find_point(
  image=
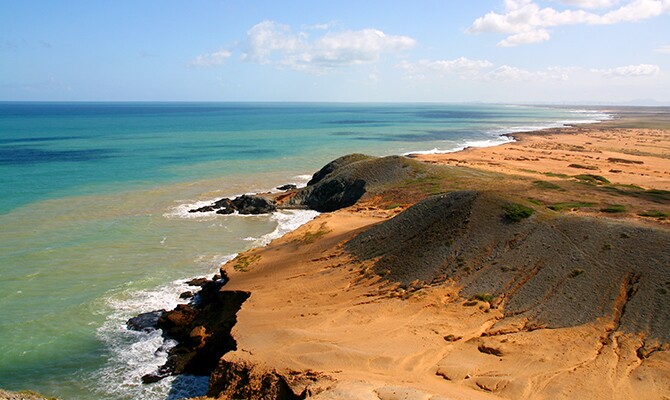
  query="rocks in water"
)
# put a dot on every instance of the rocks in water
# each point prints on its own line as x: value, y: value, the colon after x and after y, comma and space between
x: 201, y: 328
x: 202, y: 209
x: 145, y: 322
x: 252, y: 204
x: 197, y: 282
x: 186, y: 295
x: 224, y: 206
x: 340, y: 183
x: 286, y: 187
x: 245, y: 204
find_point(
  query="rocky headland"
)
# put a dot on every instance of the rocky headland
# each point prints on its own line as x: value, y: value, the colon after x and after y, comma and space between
x: 443, y: 280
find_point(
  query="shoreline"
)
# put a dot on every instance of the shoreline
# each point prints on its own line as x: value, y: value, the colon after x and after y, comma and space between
x: 199, y: 262
x: 307, y: 326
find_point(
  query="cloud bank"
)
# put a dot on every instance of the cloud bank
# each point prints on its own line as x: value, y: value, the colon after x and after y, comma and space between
x: 270, y: 42
x: 525, y: 21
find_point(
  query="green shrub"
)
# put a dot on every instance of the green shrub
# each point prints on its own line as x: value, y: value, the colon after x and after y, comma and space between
x: 546, y: 185
x: 555, y: 175
x: 485, y: 297
x: 654, y: 214
x: 614, y: 208
x: 580, y: 166
x: 590, y: 178
x: 516, y: 212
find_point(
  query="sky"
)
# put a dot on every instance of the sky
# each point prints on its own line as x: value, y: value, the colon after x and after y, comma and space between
x: 511, y: 51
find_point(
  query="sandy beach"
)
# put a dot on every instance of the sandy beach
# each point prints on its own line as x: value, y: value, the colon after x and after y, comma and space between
x: 566, y: 301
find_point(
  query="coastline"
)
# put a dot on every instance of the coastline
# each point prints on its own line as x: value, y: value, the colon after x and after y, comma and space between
x: 378, y: 211
x: 310, y: 296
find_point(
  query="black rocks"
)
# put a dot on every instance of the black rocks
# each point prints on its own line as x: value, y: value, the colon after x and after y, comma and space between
x: 286, y: 187
x: 252, y: 204
x: 145, y: 322
x: 245, y: 204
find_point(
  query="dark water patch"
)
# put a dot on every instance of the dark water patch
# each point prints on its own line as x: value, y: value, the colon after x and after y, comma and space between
x: 37, y: 139
x: 256, y: 151
x: 456, y: 114
x: 28, y: 155
x: 356, y: 122
x: 345, y: 133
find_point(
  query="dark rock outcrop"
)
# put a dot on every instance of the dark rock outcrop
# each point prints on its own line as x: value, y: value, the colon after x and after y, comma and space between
x: 202, y: 330
x: 245, y: 381
x: 245, y: 204
x: 342, y: 182
x: 145, y: 322
x: 549, y: 272
x: 286, y: 187
x: 252, y: 204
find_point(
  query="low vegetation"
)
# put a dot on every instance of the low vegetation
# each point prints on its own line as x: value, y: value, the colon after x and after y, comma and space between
x: 580, y: 166
x: 485, y: 297
x: 242, y: 263
x: 516, y: 212
x: 556, y: 175
x: 546, y: 185
x: 311, y: 237
x: 654, y: 214
x: 569, y: 205
x: 614, y: 208
x: 590, y: 178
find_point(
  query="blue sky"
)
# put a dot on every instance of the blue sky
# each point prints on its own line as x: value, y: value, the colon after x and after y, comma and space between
x: 519, y: 51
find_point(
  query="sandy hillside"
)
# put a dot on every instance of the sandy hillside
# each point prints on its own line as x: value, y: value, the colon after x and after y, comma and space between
x: 534, y: 270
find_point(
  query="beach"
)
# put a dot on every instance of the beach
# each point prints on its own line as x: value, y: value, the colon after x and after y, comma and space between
x: 382, y: 300
x: 94, y: 214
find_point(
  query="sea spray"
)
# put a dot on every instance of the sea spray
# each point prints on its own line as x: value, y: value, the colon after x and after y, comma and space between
x: 134, y: 354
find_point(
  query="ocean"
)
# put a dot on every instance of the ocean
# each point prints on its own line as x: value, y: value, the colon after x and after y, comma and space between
x: 95, y: 228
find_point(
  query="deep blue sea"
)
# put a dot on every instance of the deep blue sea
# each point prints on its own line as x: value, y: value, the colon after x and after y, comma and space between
x: 93, y: 200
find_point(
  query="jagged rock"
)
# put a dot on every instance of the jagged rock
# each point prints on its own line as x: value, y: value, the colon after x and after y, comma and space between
x: 224, y: 203
x: 145, y: 322
x: 238, y: 380
x: 152, y: 378
x: 186, y: 295
x: 252, y: 204
x: 286, y: 187
x: 202, y: 209
x: 197, y: 282
x: 202, y: 331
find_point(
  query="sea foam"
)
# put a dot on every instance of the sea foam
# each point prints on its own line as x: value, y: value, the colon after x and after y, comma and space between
x: 134, y: 354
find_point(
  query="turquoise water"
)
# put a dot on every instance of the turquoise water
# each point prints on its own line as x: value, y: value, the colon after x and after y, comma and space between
x: 93, y: 200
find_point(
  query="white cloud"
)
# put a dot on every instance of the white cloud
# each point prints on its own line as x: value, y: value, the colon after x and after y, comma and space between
x: 533, y: 36
x: 479, y: 70
x: 461, y: 66
x: 591, y: 3
x: 212, y: 59
x: 526, y: 22
x: 665, y: 49
x: 271, y: 42
x: 629, y: 71
x: 509, y: 73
